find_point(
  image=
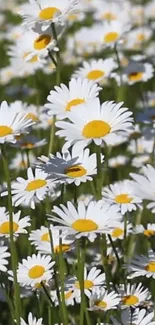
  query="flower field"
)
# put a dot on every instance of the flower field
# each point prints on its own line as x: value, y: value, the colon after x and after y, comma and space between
x: 77, y: 162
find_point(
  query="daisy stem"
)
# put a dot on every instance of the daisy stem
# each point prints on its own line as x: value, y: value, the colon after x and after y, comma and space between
x: 132, y: 242
x: 114, y: 249
x: 99, y: 173
x: 47, y: 294
x: 62, y: 280
x: 52, y: 135
x: 28, y: 159
x: 119, y: 63
x: 103, y: 249
x: 12, y: 243
x: 81, y: 263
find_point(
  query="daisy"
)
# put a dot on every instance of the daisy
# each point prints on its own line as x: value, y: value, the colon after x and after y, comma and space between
x: 138, y: 317
x: 70, y: 168
x: 68, y: 294
x: 118, y: 161
x: 133, y: 295
x: 138, y: 73
x: 103, y: 300
x: 122, y: 195
x: 107, y: 12
x: 113, y: 32
x: 148, y: 231
x: 11, y: 123
x: 31, y: 320
x: 96, y: 70
x: 142, y: 266
x: 34, y: 270
x: 85, y: 221
x: 3, y: 255
x: 86, y: 40
x: 19, y: 162
x: 41, y: 239
x: 92, y: 279
x: 145, y: 185
x: 118, y: 232
x: 30, y: 190
x: 88, y: 124
x: 19, y: 225
x: 64, y: 99
x: 29, y: 142
x: 45, y: 12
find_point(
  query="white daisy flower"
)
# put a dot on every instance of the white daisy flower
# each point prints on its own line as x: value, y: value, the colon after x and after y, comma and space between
x: 148, y: 231
x: 118, y: 232
x: 103, y: 300
x: 118, y: 161
x: 41, y: 239
x: 71, y: 168
x: 88, y: 124
x: 19, y: 162
x: 133, y: 295
x: 86, y: 40
x: 140, y: 74
x: 68, y: 294
x: 92, y: 279
x: 3, y: 255
x: 142, y: 265
x: 113, y: 32
x: 96, y: 70
x: 11, y: 123
x: 145, y: 185
x: 122, y: 195
x: 107, y: 12
x: 31, y: 320
x: 34, y: 270
x: 31, y: 190
x: 29, y: 142
x: 86, y: 221
x: 64, y: 99
x: 138, y: 317
x: 19, y: 225
x: 45, y: 12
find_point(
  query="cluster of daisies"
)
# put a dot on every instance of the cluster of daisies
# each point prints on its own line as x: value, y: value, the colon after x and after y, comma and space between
x: 77, y: 193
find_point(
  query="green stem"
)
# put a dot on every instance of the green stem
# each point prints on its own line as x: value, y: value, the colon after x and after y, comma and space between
x: 103, y: 250
x: 47, y: 294
x: 52, y: 135
x: 99, y: 173
x: 81, y: 263
x: 132, y: 242
x: 62, y: 280
x: 119, y: 63
x: 17, y: 301
x: 114, y: 249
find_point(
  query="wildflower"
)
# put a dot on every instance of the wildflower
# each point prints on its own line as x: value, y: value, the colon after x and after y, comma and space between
x: 31, y: 320
x: 103, y: 300
x: 133, y: 296
x: 138, y: 317
x: 142, y: 266
x: 19, y: 225
x: 3, y: 255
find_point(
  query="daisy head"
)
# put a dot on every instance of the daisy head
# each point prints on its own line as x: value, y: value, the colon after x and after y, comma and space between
x: 34, y: 270
x: 113, y: 32
x: 142, y: 266
x: 137, y: 317
x: 31, y: 320
x: 122, y: 195
x: 43, y: 12
x: 133, y: 296
x: 3, y: 258
x: 85, y: 221
x: 70, y: 168
x: 102, y: 300
x: 12, y: 123
x: 138, y: 73
x: 19, y: 225
x: 96, y: 70
x: 64, y: 99
x: 118, y: 232
x: 31, y: 190
x: 94, y: 122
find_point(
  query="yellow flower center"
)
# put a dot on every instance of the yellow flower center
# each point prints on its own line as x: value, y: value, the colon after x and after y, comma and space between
x: 49, y: 13
x: 33, y: 59
x: 123, y: 198
x: 32, y: 117
x: 45, y: 237
x: 68, y: 294
x: 74, y: 102
x: 41, y: 42
x: 5, y: 130
x: 96, y: 129
x: 150, y: 267
x: 149, y: 233
x: 35, y: 185
x: 64, y: 248
x: 84, y: 225
x: 135, y: 76
x: 27, y: 145
x: 141, y: 37
x: 130, y: 300
x: 36, y: 271
x: 75, y: 171
x: 111, y: 37
x: 117, y: 232
x: 5, y: 227
x: 101, y: 304
x: 23, y: 164
x: 108, y: 15
x: 95, y: 74
x: 87, y: 284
